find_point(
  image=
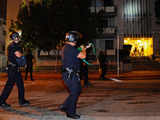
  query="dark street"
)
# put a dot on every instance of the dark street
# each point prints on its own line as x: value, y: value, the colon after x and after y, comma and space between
x: 137, y: 95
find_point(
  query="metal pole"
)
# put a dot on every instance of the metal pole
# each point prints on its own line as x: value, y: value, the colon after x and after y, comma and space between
x: 1, y: 64
x: 118, y: 64
x: 95, y: 6
x: 116, y: 79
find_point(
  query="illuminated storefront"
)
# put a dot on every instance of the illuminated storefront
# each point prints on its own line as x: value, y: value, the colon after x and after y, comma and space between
x: 140, y: 46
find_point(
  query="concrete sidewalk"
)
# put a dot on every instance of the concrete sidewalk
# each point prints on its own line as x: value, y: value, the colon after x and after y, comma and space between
x: 137, y: 97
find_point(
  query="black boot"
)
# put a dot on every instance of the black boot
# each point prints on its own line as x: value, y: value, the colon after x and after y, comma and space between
x: 4, y: 105
x: 73, y: 116
x: 62, y: 108
x: 24, y: 103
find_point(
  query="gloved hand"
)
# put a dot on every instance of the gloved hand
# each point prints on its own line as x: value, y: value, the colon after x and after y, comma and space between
x: 21, y: 61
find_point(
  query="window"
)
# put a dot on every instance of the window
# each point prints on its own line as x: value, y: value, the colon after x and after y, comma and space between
x: 108, y: 44
x: 108, y: 2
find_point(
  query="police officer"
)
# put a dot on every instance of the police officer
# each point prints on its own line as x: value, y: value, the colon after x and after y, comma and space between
x: 70, y: 74
x: 14, y: 74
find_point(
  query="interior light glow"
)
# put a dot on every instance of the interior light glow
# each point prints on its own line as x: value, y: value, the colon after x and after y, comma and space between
x: 140, y: 46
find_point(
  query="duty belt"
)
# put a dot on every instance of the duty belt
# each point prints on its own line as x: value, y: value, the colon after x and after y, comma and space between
x: 14, y: 66
x: 70, y: 72
x: 11, y: 64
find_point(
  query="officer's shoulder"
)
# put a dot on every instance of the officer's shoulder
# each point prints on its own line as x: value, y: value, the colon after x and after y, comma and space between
x: 12, y: 46
x: 65, y: 46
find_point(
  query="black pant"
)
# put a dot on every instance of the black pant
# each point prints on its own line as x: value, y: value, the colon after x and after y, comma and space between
x: 84, y: 74
x: 103, y: 71
x: 74, y: 86
x: 14, y: 76
x: 29, y: 68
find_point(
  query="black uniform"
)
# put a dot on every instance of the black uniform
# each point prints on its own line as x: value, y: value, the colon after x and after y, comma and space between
x: 70, y: 75
x: 102, y: 64
x: 84, y: 73
x: 14, y: 76
x: 29, y: 62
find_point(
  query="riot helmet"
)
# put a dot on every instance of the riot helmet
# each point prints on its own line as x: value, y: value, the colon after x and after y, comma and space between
x: 72, y: 36
x: 14, y: 35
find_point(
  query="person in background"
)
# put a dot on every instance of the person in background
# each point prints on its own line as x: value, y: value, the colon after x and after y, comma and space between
x: 84, y: 73
x: 29, y: 64
x: 102, y: 65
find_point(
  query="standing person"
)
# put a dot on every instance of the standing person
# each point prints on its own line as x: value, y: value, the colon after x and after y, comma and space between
x: 102, y: 65
x: 15, y: 59
x: 29, y: 64
x: 84, y: 73
x: 70, y: 73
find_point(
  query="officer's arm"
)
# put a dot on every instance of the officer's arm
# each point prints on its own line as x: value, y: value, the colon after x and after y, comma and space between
x: 18, y: 54
x: 82, y: 54
x: 11, y: 54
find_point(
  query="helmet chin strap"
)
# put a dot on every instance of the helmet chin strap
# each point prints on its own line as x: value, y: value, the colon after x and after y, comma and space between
x: 17, y: 40
x: 71, y: 43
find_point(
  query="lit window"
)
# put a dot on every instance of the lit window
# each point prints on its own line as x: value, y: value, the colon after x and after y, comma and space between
x: 140, y: 46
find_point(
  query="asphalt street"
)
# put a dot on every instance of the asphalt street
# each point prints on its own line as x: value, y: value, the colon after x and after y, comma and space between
x: 136, y: 97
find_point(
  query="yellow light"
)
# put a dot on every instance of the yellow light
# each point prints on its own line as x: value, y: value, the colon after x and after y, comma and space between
x: 140, y: 46
x: 125, y: 41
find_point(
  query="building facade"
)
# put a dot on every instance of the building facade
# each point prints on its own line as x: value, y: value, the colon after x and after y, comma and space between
x: 118, y: 23
x: 3, y: 13
x: 3, y: 9
x: 104, y: 13
x: 127, y: 22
